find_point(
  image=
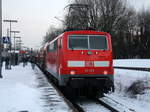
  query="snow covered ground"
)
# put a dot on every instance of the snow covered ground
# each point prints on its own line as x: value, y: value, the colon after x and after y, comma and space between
x: 24, y: 89
x: 136, y: 96
x: 145, y: 63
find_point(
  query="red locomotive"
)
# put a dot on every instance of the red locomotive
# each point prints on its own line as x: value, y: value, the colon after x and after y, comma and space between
x: 80, y: 60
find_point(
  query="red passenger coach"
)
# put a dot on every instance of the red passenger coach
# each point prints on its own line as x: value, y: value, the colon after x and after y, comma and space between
x: 81, y: 60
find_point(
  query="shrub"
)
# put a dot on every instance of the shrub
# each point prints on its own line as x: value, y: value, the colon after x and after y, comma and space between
x: 136, y: 88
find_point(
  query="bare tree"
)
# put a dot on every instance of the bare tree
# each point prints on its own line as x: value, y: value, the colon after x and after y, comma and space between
x: 111, y: 16
x: 52, y: 33
x: 124, y: 34
x: 103, y: 15
x: 144, y: 25
x: 77, y: 17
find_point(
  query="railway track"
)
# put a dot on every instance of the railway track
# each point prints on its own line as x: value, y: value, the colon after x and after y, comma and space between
x: 85, y: 105
x: 116, y: 104
x: 94, y: 105
x: 104, y: 104
x: 76, y: 107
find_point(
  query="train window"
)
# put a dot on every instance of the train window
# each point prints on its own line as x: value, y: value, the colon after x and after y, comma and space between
x: 61, y: 42
x: 51, y: 47
x: 55, y: 45
x: 95, y: 42
x: 98, y: 42
x: 78, y: 42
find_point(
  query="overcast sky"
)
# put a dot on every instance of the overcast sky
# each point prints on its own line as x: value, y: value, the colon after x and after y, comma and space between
x: 35, y: 16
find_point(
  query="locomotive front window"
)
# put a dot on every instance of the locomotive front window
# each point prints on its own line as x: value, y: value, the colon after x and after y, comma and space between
x: 98, y: 42
x: 78, y: 42
x: 92, y: 42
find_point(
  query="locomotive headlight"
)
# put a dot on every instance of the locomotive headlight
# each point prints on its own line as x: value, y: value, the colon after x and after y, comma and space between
x: 105, y: 72
x: 72, y: 72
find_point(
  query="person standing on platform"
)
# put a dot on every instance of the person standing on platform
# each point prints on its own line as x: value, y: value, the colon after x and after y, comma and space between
x: 33, y: 61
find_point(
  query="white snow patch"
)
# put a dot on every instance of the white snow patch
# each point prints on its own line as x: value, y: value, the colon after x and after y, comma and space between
x: 143, y: 63
x: 125, y: 78
x: 24, y: 89
x: 17, y: 91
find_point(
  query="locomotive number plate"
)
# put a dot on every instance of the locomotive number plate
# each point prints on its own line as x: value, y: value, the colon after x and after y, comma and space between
x: 89, y: 63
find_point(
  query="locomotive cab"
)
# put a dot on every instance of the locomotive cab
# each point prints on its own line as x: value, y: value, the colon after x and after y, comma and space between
x: 86, y: 60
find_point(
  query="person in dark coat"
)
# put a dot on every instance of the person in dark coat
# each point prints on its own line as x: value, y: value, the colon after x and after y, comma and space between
x: 33, y: 62
x: 24, y: 60
x: 6, y: 62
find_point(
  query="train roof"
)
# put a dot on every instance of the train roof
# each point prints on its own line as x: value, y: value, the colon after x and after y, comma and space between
x: 78, y: 32
x: 85, y: 32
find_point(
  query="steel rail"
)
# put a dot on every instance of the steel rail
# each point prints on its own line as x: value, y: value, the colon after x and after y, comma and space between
x: 116, y: 106
x: 101, y: 102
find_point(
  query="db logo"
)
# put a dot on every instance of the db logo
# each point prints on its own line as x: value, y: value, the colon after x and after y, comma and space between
x: 89, y: 64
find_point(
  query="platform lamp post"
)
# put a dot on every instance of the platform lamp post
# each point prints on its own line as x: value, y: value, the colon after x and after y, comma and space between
x: 14, y: 44
x: 15, y: 37
x: 19, y: 42
x: 0, y: 38
x: 10, y: 21
x: 16, y: 40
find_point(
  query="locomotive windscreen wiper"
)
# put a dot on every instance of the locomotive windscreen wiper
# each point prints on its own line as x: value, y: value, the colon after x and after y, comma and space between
x: 71, y: 47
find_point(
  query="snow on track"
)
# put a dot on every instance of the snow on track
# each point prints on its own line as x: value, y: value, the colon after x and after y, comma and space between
x: 91, y: 106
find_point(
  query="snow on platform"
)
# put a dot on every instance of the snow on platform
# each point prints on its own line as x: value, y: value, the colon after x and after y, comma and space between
x: 24, y: 89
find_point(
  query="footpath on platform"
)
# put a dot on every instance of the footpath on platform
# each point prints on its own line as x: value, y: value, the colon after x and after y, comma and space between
x: 23, y: 89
